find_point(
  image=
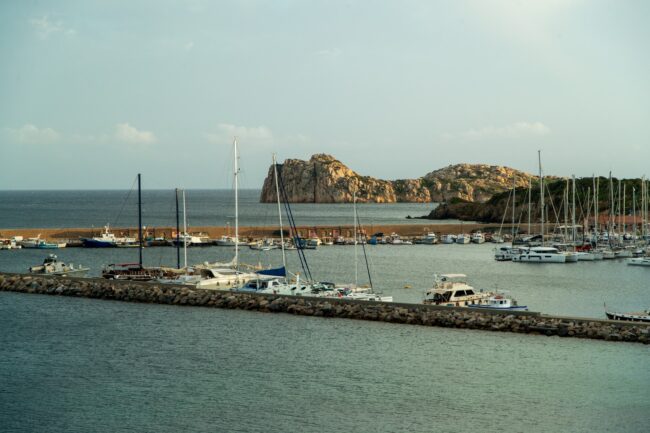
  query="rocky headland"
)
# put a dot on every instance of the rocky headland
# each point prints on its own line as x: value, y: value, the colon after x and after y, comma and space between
x: 324, y: 179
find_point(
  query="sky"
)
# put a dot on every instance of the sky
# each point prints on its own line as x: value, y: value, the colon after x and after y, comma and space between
x: 94, y: 92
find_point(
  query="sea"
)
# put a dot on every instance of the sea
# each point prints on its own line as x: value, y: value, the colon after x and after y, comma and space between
x: 80, y: 365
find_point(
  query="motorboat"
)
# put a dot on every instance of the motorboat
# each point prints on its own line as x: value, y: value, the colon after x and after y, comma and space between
x: 448, y: 239
x: 505, y: 253
x: 190, y: 240
x: 639, y: 261
x: 463, y: 238
x: 642, y: 316
x: 430, y: 239
x: 227, y: 241
x: 9, y: 244
x: 499, y: 302
x: 52, y: 266
x: 451, y: 290
x: 539, y: 255
x: 395, y: 239
x: 478, y: 237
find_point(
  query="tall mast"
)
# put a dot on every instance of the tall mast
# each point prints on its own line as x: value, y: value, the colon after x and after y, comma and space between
x: 514, y: 201
x: 623, y: 212
x: 634, y: 213
x: 530, y: 189
x: 277, y: 194
x: 178, y: 235
x: 184, y: 233
x: 611, y: 208
x: 541, y: 190
x: 595, y: 209
x: 573, y: 210
x: 356, y: 267
x: 236, y: 205
x: 140, y: 221
x: 566, y: 210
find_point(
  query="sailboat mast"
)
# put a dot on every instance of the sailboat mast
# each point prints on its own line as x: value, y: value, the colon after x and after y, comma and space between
x: 141, y: 240
x: 514, y: 201
x: 541, y: 190
x: 530, y: 195
x: 623, y: 212
x: 184, y: 232
x: 634, y: 213
x: 573, y: 210
x: 277, y: 194
x: 611, y: 208
x: 566, y: 210
x: 356, y: 267
x: 236, y: 206
x: 178, y: 234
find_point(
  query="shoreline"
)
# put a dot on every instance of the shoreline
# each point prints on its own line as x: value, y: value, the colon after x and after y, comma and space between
x: 322, y: 231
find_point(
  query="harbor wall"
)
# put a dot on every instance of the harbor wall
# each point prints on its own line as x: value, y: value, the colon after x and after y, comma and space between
x: 412, y: 314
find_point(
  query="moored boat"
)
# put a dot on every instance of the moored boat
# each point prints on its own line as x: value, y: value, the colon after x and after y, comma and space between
x: 639, y: 261
x: 52, y: 266
x: 642, y: 316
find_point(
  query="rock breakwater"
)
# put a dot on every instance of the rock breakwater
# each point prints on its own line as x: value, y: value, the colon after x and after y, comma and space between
x: 414, y: 314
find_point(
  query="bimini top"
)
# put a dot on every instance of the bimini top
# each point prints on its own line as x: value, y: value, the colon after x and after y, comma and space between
x: 453, y: 276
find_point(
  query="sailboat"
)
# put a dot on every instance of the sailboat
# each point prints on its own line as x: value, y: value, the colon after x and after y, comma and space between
x: 541, y: 254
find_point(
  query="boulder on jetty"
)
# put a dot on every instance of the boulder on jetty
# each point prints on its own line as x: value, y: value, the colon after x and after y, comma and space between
x: 415, y: 314
x: 324, y: 179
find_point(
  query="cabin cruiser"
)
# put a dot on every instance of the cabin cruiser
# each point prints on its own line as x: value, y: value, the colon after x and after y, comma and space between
x: 448, y: 239
x: 214, y: 278
x: 463, y: 238
x: 52, y: 266
x: 478, y: 237
x: 227, y: 241
x: 451, y: 290
x: 539, y: 255
x: 430, y: 239
x: 505, y: 253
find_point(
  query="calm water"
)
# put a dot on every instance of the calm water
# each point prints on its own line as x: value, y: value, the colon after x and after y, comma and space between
x: 45, y: 209
x: 79, y: 365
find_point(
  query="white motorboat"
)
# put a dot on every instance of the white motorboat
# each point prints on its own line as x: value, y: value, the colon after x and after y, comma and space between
x: 639, y: 261
x: 448, y: 239
x: 478, y: 237
x: 505, y: 253
x: 463, y: 238
x: 52, y: 266
x: 539, y: 255
x: 451, y: 290
x: 227, y: 241
x: 430, y: 239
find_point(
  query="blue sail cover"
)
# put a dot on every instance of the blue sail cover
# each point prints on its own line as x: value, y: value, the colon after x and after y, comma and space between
x: 277, y: 272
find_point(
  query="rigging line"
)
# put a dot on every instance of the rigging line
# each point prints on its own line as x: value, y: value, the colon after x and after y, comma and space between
x: 363, y: 247
x: 292, y: 223
x: 125, y: 200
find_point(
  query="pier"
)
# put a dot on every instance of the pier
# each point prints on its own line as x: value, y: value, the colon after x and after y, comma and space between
x: 401, y: 313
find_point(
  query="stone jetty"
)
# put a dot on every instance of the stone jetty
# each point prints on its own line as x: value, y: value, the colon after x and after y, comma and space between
x: 412, y: 314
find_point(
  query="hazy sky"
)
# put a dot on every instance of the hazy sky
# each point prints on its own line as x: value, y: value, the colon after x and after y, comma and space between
x: 93, y: 92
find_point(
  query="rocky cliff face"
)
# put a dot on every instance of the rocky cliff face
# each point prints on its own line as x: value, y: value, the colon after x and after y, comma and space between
x: 324, y: 179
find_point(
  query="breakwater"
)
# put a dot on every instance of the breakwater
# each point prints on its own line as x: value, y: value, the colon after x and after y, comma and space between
x: 413, y: 314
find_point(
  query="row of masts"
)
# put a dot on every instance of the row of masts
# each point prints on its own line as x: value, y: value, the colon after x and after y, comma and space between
x: 617, y: 218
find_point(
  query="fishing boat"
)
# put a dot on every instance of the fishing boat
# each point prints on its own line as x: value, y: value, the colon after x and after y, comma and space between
x: 478, y: 237
x: 642, y: 316
x: 108, y: 240
x: 448, y: 239
x: 52, y: 266
x: 463, y: 238
x: 41, y: 244
x: 430, y: 239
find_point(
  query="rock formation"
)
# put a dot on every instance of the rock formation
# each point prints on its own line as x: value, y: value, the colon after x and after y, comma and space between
x: 324, y: 179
